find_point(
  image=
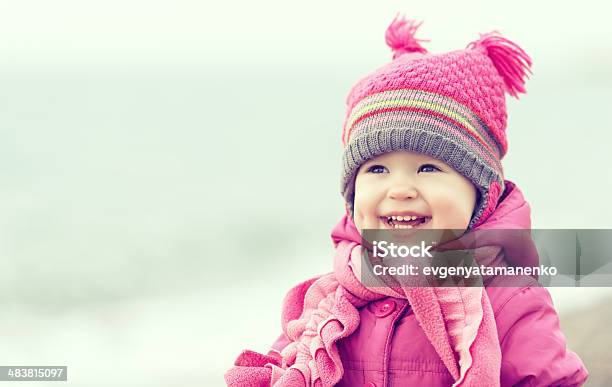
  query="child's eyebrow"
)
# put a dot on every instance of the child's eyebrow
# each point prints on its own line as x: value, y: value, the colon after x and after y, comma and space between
x: 428, y: 160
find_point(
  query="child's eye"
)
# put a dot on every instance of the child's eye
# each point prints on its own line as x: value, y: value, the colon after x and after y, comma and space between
x: 377, y: 169
x: 428, y: 168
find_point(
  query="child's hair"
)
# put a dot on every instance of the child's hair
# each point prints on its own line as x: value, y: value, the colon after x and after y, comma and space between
x: 450, y: 106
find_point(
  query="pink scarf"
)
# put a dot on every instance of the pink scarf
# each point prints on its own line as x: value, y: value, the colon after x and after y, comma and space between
x: 458, y: 321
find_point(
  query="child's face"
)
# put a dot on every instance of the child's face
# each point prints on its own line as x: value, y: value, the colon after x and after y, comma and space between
x: 412, y: 184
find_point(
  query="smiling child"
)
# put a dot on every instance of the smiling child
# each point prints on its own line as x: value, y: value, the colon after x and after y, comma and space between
x: 423, y: 139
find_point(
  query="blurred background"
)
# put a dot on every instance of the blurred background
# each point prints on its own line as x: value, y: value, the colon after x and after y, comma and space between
x: 169, y: 169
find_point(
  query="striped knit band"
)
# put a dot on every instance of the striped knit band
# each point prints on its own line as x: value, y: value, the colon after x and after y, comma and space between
x: 428, y: 123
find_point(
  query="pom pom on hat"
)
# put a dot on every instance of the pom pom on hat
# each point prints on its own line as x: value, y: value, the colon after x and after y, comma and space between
x: 511, y: 62
x: 400, y: 37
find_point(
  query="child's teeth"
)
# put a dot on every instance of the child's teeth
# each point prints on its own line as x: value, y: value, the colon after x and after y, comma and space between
x: 405, y: 218
x: 402, y: 226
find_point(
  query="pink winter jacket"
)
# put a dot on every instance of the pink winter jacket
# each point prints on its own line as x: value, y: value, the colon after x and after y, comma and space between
x: 390, y: 349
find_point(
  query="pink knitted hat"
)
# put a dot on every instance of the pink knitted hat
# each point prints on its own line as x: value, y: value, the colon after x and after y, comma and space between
x: 450, y: 106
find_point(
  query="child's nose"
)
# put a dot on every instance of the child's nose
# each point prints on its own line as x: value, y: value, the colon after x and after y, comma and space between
x: 402, y: 191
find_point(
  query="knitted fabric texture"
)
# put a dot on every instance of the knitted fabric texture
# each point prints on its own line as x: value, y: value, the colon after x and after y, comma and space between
x: 450, y: 106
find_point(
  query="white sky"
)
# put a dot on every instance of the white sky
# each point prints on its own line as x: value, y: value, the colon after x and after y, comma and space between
x: 75, y: 31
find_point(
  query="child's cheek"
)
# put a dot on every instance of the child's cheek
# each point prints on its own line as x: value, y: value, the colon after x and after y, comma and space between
x: 454, y: 216
x: 358, y: 218
x: 359, y: 207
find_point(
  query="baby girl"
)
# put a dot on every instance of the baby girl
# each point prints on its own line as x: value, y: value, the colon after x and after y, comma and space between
x: 423, y: 139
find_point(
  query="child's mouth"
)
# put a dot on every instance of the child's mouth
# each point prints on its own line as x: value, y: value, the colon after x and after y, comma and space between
x: 406, y: 221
